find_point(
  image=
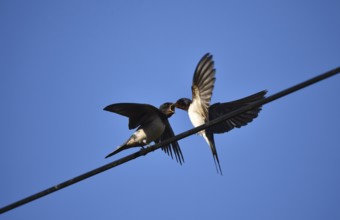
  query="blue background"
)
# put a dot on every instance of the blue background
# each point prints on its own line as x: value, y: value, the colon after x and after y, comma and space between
x: 63, y: 61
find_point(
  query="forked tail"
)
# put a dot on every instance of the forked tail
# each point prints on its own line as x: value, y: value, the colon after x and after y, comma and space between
x: 209, y: 137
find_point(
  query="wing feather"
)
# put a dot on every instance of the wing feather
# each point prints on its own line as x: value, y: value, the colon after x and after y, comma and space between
x: 173, y: 148
x: 137, y: 113
x: 219, y: 109
x: 203, y: 84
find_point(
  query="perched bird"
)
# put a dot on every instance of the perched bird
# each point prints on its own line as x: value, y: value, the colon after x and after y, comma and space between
x: 152, y: 123
x: 200, y: 111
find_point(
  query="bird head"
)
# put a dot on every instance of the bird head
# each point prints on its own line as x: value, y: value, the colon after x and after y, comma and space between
x: 183, y: 104
x: 167, y: 109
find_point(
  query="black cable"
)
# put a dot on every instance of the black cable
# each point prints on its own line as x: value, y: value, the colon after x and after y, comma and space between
x: 168, y: 141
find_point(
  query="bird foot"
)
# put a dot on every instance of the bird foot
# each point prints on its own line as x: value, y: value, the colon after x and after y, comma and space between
x: 142, y: 150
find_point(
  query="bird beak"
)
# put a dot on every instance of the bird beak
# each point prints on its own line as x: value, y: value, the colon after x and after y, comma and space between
x: 178, y: 105
x: 172, y: 108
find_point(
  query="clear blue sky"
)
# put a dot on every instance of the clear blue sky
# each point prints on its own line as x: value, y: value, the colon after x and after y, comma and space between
x: 63, y: 61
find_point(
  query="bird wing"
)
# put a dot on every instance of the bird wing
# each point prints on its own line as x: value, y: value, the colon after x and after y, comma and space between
x: 218, y: 109
x: 137, y: 113
x: 203, y: 84
x: 173, y: 148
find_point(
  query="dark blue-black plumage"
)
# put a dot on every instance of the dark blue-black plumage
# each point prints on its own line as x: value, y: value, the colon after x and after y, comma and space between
x: 200, y: 111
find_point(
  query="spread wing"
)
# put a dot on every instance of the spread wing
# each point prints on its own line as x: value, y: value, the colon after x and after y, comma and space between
x: 137, y: 113
x: 203, y: 84
x: 219, y: 109
x: 173, y: 148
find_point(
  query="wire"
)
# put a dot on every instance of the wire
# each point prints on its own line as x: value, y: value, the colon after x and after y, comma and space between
x: 180, y: 136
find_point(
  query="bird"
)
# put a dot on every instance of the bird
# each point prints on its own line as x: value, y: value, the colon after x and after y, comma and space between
x: 200, y: 111
x: 152, y: 125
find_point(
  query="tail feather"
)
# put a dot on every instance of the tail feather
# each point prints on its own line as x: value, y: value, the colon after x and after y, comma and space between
x: 119, y: 149
x: 209, y: 137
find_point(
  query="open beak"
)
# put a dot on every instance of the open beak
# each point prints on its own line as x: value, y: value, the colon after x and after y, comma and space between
x: 172, y: 108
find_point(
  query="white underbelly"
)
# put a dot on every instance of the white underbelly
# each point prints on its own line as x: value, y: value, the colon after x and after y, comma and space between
x: 195, y: 117
x: 154, y: 130
x: 148, y: 133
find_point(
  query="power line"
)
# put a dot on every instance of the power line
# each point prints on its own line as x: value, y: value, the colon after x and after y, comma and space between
x: 180, y: 136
